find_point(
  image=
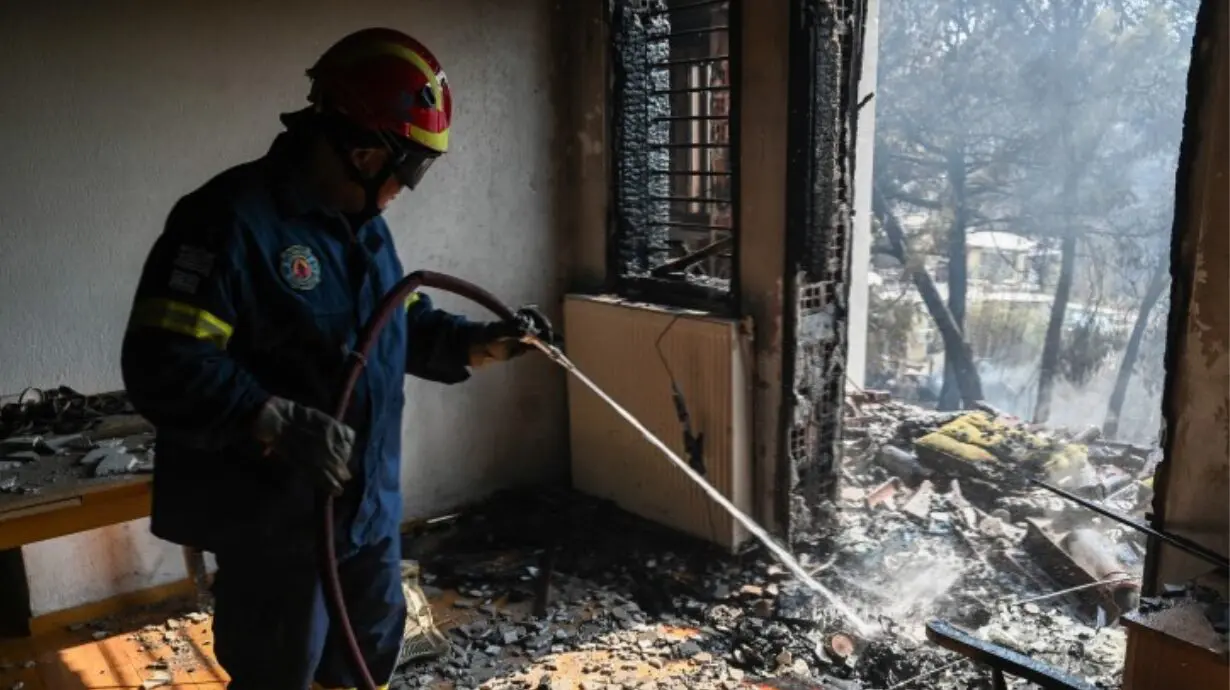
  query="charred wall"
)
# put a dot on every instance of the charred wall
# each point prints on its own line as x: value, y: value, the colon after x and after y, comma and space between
x: 824, y: 63
x: 1194, y: 479
x: 635, y: 244
x: 793, y: 67
x: 673, y: 237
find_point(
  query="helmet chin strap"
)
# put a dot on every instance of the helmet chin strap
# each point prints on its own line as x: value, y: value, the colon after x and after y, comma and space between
x: 371, y: 189
x: 370, y: 185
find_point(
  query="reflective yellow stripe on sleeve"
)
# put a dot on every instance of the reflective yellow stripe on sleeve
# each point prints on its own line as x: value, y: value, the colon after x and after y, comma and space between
x: 411, y: 299
x: 183, y: 319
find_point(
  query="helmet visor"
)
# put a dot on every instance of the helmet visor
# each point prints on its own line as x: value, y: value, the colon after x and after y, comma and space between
x: 412, y: 164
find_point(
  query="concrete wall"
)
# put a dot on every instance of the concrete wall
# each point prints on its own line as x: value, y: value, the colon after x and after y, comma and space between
x: 1195, y: 479
x: 113, y: 110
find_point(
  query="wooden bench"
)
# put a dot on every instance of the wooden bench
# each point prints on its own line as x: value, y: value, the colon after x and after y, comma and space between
x: 68, y: 500
x: 72, y: 507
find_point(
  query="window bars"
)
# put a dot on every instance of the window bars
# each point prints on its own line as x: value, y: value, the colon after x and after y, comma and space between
x: 674, y: 235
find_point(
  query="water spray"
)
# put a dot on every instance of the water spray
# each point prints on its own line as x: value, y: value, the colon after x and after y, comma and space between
x: 779, y: 552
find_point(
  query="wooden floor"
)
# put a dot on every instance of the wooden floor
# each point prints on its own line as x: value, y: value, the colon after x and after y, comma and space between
x: 131, y: 656
x: 143, y: 651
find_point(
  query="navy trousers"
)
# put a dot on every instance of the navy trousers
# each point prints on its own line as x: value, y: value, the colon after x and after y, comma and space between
x: 272, y: 628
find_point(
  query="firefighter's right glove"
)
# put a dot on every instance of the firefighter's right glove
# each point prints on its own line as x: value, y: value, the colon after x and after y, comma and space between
x: 308, y: 438
x: 500, y: 341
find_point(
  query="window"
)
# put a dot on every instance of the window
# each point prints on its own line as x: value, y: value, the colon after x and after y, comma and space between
x: 674, y: 238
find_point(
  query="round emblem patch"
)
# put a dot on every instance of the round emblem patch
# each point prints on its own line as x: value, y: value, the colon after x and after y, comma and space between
x: 300, y: 267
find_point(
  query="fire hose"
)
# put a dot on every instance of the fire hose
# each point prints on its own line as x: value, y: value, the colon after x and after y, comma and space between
x: 367, y: 337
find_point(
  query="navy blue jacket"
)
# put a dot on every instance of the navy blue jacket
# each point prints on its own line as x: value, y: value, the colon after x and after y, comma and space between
x: 254, y: 290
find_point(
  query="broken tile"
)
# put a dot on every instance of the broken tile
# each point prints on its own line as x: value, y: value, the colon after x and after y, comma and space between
x: 919, y: 505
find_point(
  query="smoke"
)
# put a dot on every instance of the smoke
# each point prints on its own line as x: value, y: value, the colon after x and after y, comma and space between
x: 1014, y: 389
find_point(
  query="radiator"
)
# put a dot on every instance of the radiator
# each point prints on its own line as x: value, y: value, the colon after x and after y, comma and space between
x: 631, y: 351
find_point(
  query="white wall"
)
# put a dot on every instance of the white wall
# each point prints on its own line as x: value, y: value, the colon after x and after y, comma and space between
x: 111, y: 111
x: 860, y: 246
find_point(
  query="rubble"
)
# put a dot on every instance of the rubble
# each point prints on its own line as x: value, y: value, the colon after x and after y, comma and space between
x: 1193, y: 613
x: 934, y: 520
x: 60, y: 411
x: 60, y: 436
x: 913, y: 537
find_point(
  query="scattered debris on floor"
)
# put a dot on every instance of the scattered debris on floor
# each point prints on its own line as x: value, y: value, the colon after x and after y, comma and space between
x: 1192, y: 613
x: 156, y: 645
x: 935, y: 520
x: 50, y: 438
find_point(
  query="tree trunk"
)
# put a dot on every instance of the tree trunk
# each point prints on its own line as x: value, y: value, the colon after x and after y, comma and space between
x: 1157, y: 285
x: 963, y: 369
x: 958, y: 276
x: 1053, y: 344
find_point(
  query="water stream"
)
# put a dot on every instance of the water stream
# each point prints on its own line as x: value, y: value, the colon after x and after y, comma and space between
x: 783, y: 556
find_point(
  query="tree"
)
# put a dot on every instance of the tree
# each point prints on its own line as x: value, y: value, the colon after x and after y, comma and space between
x: 944, y: 137
x: 1096, y: 78
x: 1157, y: 287
x: 964, y: 371
x: 1037, y: 117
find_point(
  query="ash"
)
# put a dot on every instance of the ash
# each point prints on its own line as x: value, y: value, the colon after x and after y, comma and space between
x: 933, y: 520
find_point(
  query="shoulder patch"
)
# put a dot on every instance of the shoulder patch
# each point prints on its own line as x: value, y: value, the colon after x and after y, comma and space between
x: 300, y: 267
x: 195, y: 260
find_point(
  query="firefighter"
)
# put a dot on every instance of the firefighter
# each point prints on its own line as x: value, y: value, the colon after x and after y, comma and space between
x: 244, y: 315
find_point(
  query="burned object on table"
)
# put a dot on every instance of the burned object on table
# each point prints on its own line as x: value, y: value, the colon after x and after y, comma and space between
x: 58, y: 411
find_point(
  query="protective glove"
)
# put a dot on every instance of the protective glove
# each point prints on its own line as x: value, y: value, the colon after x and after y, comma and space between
x: 309, y: 438
x: 500, y: 341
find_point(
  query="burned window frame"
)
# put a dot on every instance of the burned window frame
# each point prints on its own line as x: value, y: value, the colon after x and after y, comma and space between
x: 659, y: 212
x: 825, y: 62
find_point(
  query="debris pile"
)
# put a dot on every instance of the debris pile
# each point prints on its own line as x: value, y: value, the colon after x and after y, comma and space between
x: 935, y: 519
x: 60, y: 436
x: 1193, y: 613
x: 170, y: 646
x: 59, y: 412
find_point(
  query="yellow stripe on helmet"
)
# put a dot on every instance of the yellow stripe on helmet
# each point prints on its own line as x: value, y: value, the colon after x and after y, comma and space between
x: 181, y: 318
x: 437, y: 141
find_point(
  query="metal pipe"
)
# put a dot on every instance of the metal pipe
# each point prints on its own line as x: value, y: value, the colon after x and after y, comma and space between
x: 689, y: 146
x: 691, y: 199
x: 691, y: 118
x: 688, y: 32
x: 688, y: 61
x: 1174, y: 540
x: 690, y: 6
x: 693, y: 173
x: 693, y: 89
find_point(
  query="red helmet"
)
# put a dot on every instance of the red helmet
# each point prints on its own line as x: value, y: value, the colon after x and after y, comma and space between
x: 390, y: 84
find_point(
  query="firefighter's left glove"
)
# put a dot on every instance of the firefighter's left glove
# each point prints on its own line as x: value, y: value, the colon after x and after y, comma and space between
x: 500, y: 341
x: 308, y: 438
